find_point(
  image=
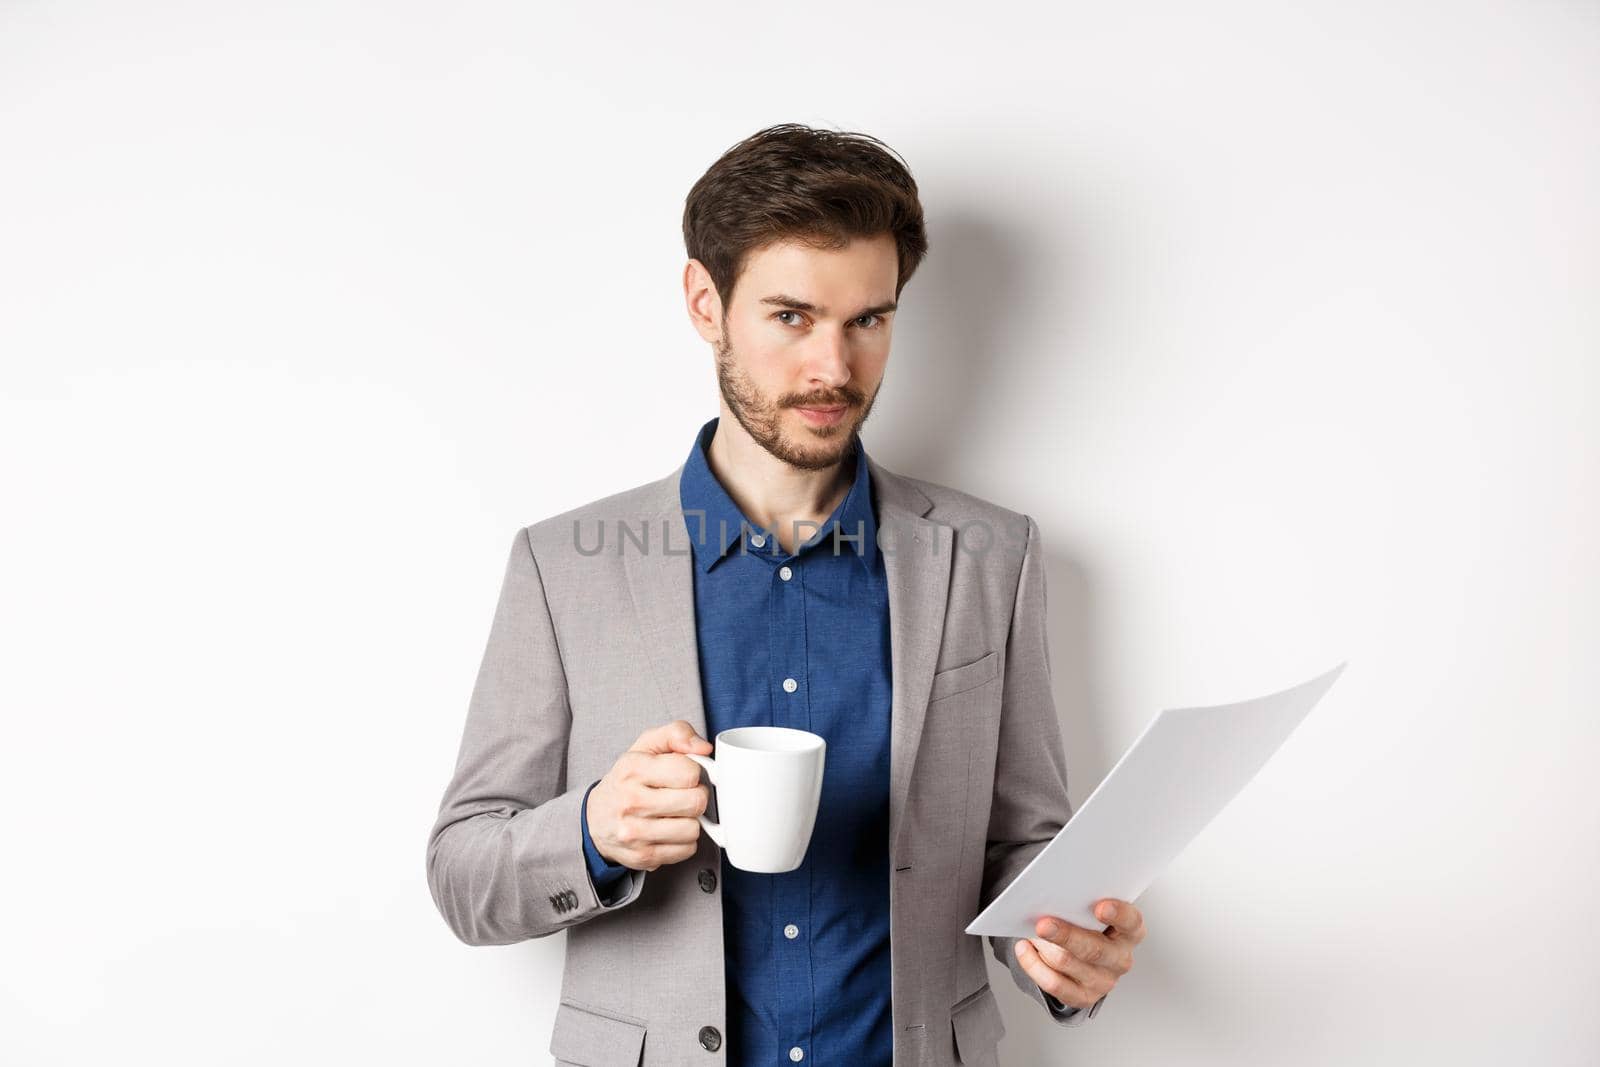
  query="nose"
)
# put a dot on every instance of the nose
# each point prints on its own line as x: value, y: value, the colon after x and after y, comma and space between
x: 828, y: 361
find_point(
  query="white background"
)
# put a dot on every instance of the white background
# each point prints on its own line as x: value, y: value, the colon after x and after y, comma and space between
x: 1279, y: 319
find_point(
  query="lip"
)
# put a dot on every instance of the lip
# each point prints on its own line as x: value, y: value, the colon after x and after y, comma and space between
x: 823, y: 416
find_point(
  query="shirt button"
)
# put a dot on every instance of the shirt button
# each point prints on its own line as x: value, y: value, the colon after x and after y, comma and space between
x: 790, y: 685
x: 791, y: 931
x: 785, y: 573
x: 758, y: 539
x: 710, y: 1039
x: 708, y: 879
x: 796, y: 1055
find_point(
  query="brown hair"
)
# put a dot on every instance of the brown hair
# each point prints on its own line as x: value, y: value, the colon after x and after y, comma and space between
x: 789, y: 181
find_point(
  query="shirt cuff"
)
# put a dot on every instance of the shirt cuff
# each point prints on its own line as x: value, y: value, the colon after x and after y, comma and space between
x: 1058, y: 1009
x: 601, y: 870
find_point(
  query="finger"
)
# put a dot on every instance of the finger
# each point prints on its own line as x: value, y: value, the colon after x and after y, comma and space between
x: 668, y: 831
x: 689, y: 741
x: 1090, y: 946
x: 665, y: 770
x: 1063, y: 987
x: 659, y: 803
x: 1124, y: 918
x: 639, y: 833
x: 1094, y: 978
x: 675, y: 736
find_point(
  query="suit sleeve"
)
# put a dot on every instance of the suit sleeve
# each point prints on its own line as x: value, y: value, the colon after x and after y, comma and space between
x: 505, y: 861
x: 1030, y: 802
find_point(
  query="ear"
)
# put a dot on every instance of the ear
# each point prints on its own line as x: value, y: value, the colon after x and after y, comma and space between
x: 702, y: 301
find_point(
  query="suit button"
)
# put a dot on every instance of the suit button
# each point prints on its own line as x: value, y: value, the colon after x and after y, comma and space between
x: 710, y: 1039
x: 708, y: 879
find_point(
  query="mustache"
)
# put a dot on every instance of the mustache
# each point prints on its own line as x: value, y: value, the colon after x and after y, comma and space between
x: 825, y: 402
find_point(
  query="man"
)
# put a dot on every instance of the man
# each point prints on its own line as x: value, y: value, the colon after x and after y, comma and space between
x: 778, y: 576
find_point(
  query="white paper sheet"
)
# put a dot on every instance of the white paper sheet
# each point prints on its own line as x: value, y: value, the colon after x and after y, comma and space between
x: 1183, y: 769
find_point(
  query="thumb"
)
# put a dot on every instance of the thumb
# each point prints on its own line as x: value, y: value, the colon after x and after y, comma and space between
x: 686, y: 740
x: 675, y: 736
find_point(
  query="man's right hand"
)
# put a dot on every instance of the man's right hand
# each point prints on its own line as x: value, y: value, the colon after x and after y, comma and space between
x: 645, y: 812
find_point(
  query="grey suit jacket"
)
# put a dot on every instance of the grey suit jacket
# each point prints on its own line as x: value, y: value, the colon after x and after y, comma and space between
x: 589, y: 648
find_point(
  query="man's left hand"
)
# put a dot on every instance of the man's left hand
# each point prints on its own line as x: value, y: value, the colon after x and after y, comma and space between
x: 1078, y: 966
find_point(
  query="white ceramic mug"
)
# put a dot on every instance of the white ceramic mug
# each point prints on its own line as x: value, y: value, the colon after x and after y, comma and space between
x: 769, y: 782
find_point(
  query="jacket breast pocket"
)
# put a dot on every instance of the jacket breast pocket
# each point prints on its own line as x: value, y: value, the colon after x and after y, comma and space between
x: 965, y: 677
x: 976, y: 1026
x: 586, y: 1037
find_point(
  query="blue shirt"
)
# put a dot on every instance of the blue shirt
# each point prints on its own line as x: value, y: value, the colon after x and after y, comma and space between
x: 807, y: 951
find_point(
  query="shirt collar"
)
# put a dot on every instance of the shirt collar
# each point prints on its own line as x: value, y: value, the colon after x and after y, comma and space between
x: 715, y: 522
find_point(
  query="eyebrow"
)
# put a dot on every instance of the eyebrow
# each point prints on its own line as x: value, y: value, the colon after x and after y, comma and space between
x: 780, y: 300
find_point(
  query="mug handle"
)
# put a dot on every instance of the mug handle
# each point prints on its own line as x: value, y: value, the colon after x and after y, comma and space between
x: 714, y: 830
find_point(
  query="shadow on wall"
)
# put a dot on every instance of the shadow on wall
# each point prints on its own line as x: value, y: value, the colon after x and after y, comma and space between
x: 955, y: 363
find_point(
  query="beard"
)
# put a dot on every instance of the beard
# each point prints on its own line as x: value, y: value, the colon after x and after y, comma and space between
x: 815, y: 447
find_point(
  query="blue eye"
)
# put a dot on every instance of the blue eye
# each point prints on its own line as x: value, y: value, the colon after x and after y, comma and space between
x: 876, y: 324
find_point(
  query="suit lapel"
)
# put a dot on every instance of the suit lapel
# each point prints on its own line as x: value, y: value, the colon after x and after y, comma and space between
x: 916, y: 561
x: 916, y: 558
x: 661, y: 580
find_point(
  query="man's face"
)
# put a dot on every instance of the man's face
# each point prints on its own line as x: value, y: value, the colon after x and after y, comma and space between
x: 808, y: 331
